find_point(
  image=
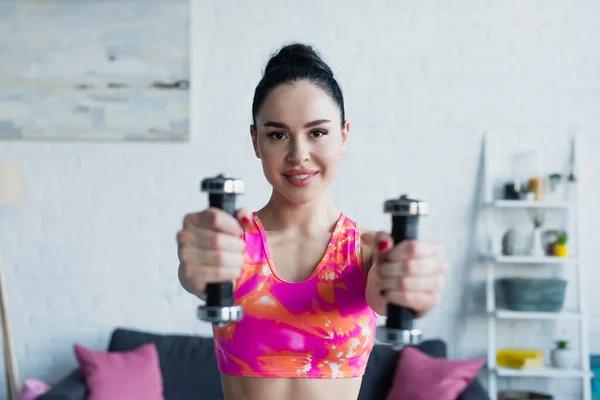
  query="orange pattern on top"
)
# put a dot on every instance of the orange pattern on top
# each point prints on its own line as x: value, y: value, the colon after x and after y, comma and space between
x: 321, y: 327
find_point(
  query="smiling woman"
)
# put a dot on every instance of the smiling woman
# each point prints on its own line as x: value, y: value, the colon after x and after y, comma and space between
x: 308, y: 278
x: 294, y: 152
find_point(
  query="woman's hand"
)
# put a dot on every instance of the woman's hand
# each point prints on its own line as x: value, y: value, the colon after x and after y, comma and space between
x: 410, y: 274
x: 211, y: 248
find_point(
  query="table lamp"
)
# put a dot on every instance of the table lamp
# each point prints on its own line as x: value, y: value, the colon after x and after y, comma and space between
x: 12, y: 193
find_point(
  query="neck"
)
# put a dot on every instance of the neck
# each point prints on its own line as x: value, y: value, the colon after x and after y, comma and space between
x: 282, y: 215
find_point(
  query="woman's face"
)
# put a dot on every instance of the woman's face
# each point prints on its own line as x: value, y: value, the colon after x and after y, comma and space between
x: 299, y: 139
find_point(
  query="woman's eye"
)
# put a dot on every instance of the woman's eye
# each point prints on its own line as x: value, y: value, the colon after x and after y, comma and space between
x: 318, y: 133
x: 276, y: 135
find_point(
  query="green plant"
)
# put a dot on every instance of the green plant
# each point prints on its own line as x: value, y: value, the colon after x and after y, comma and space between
x: 562, y: 238
x: 555, y: 180
x: 572, y: 177
x: 556, y: 176
x: 562, y: 344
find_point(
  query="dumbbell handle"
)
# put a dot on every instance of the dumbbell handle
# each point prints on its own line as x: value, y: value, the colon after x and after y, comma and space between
x: 221, y: 294
x: 403, y: 228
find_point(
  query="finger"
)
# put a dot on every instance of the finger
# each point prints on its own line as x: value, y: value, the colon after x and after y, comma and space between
x: 214, y: 219
x: 413, y: 267
x: 193, y: 255
x: 415, y: 249
x: 206, y: 239
x: 417, y: 301
x: 414, y: 284
x: 383, y: 245
x: 244, y: 216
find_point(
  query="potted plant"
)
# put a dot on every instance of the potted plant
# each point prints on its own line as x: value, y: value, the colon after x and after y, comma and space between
x: 555, y: 180
x: 562, y: 356
x: 560, y: 247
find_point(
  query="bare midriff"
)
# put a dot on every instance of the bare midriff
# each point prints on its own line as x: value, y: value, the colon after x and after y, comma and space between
x: 244, y: 388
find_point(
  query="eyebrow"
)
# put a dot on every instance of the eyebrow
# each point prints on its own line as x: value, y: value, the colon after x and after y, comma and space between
x: 284, y: 126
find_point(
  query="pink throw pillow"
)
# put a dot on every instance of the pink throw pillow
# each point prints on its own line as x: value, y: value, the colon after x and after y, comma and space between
x: 419, y: 376
x: 33, y: 388
x: 131, y: 375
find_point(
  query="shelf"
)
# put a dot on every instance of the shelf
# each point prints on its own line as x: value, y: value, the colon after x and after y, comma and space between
x: 529, y: 259
x: 541, y: 372
x: 509, y: 314
x: 498, y: 166
x: 529, y: 204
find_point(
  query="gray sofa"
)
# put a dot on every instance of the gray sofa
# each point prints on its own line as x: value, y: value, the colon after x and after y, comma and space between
x: 190, y: 371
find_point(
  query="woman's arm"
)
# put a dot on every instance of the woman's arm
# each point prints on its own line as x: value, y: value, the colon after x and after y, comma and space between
x: 373, y: 292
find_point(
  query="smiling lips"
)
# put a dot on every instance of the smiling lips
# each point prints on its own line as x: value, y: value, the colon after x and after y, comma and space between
x: 300, y: 177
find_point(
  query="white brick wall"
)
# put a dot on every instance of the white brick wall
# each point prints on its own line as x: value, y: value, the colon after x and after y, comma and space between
x: 95, y: 248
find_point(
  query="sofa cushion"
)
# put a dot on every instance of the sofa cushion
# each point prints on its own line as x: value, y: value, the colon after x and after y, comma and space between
x: 188, y: 363
x: 131, y: 374
x: 422, y: 377
x: 381, y: 367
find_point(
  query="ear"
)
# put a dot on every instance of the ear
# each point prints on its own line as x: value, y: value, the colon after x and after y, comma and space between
x: 345, y: 133
x: 254, y: 142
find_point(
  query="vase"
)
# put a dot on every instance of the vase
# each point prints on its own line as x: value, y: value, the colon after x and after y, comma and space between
x: 509, y: 243
x: 537, y: 247
x: 563, y: 358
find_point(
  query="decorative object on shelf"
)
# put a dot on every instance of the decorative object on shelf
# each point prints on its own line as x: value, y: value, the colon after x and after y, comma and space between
x: 560, y: 247
x: 537, y: 185
x: 549, y: 239
x: 512, y: 190
x: 536, y: 248
x: 556, y: 187
x: 562, y: 356
x: 509, y: 243
x: 532, y: 294
x: 517, y: 358
x: 555, y: 180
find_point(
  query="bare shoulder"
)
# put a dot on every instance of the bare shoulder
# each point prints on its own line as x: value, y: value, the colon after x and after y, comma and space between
x: 367, y: 247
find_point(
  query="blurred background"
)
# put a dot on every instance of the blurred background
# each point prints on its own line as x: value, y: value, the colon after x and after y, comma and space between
x: 113, y: 111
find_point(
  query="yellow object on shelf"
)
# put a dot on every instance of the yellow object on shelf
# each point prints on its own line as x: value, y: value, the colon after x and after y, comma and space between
x: 519, y: 358
x: 560, y: 250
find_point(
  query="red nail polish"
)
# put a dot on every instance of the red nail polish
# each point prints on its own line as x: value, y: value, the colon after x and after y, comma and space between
x: 245, y: 220
x: 383, y: 245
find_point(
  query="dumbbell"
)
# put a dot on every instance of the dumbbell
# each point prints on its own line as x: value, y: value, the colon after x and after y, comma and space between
x: 219, y: 308
x: 399, y: 330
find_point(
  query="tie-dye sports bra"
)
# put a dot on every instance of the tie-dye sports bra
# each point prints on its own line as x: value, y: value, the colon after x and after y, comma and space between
x: 321, y: 327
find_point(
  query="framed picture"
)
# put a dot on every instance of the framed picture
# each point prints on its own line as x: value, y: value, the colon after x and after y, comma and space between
x: 95, y: 70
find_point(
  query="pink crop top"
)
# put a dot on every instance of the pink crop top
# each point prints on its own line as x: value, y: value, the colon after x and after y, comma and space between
x: 321, y: 327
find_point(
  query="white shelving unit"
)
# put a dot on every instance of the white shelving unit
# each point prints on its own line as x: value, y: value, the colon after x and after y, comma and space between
x: 496, y: 316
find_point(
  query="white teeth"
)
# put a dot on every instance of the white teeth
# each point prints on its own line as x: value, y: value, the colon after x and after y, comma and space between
x: 304, y: 176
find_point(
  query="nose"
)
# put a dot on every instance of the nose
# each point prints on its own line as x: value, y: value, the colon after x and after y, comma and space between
x: 299, y: 151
